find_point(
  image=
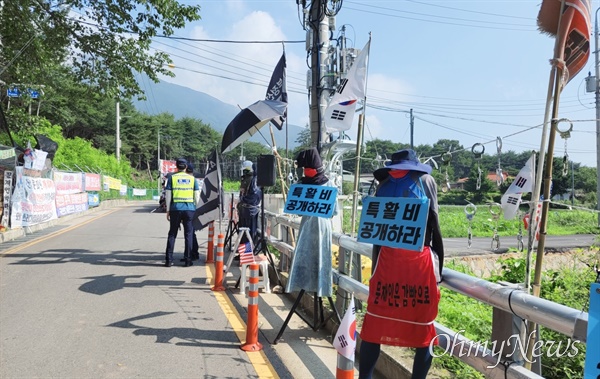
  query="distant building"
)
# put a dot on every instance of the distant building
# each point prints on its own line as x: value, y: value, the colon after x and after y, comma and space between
x: 491, y: 176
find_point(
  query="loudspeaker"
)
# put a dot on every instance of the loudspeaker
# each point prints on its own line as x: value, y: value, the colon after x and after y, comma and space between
x: 265, y: 165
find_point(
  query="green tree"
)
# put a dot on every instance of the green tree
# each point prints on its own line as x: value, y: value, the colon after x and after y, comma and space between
x: 303, y: 140
x: 104, y: 43
x: 585, y: 184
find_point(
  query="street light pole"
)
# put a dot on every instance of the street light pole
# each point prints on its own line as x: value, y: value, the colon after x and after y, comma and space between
x: 158, y: 157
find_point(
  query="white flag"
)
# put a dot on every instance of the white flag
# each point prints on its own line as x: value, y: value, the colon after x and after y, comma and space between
x: 351, y: 89
x: 523, y: 183
x: 345, y: 338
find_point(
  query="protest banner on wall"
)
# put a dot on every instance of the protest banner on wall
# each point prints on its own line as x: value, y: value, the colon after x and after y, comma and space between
x: 93, y: 199
x: 33, y: 201
x: 114, y: 184
x: 71, y: 203
x: 68, y: 182
x: 8, y: 177
x: 92, y: 182
x: 167, y: 166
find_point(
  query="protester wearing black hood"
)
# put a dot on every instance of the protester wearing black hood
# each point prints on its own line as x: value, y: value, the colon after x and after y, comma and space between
x: 311, y: 268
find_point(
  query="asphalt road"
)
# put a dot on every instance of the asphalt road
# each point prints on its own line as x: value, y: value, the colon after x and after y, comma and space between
x: 94, y: 301
x: 482, y: 245
x: 91, y: 299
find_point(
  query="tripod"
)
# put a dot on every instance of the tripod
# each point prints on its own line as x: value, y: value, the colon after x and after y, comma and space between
x: 261, y: 245
x: 317, y: 313
x: 232, y: 227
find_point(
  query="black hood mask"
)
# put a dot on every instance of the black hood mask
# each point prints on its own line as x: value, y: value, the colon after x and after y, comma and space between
x: 311, y: 159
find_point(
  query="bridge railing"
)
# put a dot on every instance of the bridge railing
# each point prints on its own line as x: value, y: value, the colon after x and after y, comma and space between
x: 565, y: 320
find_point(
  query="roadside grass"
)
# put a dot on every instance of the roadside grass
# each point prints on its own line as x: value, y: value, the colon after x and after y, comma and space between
x: 473, y: 319
x: 454, y: 222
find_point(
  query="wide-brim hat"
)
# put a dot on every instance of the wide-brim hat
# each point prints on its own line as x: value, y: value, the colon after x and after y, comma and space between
x: 405, y: 159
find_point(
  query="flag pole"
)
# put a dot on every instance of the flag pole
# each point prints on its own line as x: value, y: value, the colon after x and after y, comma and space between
x: 554, y: 89
x: 220, y: 179
x: 359, y: 141
x: 530, y: 234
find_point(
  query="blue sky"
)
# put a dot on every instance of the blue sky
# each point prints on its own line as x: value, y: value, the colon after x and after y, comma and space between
x: 471, y: 70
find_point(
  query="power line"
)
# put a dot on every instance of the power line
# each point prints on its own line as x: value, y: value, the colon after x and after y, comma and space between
x: 485, y: 26
x: 225, y: 40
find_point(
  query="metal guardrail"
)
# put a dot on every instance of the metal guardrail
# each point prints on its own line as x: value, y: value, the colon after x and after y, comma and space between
x: 565, y: 320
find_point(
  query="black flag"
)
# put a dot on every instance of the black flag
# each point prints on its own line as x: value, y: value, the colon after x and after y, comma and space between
x: 210, y: 197
x: 277, y: 89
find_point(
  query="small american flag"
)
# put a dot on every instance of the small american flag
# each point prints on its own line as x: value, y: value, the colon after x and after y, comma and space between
x: 246, y: 254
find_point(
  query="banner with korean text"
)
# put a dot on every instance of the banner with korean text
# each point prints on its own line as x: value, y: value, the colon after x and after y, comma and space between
x: 311, y: 200
x: 68, y: 182
x: 92, y: 182
x: 71, y: 203
x: 33, y: 201
x: 398, y: 222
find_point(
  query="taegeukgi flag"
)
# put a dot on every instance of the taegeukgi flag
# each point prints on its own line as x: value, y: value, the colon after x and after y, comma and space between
x: 345, y: 338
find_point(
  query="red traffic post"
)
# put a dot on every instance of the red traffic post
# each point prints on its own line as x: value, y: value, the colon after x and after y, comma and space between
x: 211, y: 243
x: 252, y: 343
x: 219, y: 265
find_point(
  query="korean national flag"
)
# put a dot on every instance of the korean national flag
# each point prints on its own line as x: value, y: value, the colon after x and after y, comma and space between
x: 345, y: 338
x: 339, y: 117
x: 523, y: 183
x: 339, y: 113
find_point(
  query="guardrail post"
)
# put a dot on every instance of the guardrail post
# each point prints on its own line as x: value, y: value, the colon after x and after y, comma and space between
x: 506, y: 326
x: 252, y: 343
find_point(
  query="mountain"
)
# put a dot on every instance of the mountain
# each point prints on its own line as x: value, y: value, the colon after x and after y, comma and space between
x: 182, y: 102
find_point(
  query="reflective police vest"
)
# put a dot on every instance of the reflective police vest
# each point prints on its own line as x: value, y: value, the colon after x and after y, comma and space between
x: 182, y: 185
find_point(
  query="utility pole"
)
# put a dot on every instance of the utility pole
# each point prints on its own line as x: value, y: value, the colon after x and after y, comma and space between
x: 318, y: 45
x: 118, y: 134
x: 158, y: 158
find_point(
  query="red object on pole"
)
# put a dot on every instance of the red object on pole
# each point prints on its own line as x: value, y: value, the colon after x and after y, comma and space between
x: 219, y: 265
x: 211, y: 243
x: 252, y: 343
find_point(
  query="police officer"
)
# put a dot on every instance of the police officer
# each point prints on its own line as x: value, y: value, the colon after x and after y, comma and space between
x: 194, y: 253
x: 180, y: 192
